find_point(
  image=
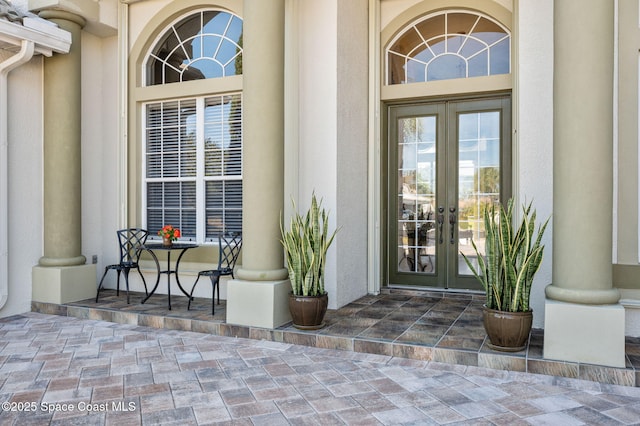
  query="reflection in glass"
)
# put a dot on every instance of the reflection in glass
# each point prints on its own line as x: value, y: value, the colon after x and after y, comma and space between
x: 478, y: 179
x: 223, y: 135
x: 416, y: 194
x: 446, y: 67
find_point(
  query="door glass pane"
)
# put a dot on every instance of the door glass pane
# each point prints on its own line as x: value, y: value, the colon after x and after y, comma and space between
x: 478, y: 179
x: 416, y: 194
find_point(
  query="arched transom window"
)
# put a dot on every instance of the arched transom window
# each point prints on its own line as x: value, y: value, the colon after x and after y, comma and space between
x: 451, y: 44
x: 203, y: 45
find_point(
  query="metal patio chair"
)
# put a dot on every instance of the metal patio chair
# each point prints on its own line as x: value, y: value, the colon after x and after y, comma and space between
x: 229, y: 249
x: 130, y: 240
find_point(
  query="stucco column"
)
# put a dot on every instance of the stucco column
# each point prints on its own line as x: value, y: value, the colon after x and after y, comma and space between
x: 583, y: 182
x: 61, y: 274
x: 258, y: 296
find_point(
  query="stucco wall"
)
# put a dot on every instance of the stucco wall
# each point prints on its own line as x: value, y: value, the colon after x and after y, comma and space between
x: 626, y: 245
x: 317, y: 114
x: 25, y: 182
x: 332, y: 143
x: 533, y: 126
x: 352, y: 140
x: 140, y: 14
x: 100, y: 143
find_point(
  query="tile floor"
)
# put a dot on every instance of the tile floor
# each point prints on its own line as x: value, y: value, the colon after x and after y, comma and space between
x: 420, y: 325
x: 61, y: 370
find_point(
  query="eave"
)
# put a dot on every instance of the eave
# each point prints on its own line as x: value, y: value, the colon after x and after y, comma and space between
x: 47, y: 37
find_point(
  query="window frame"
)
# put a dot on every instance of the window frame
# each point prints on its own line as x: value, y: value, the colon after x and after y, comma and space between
x: 200, y: 179
x: 411, y: 25
x: 140, y: 95
x: 149, y: 54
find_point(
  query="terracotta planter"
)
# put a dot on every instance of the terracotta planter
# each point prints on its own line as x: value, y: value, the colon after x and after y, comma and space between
x: 507, y: 331
x: 308, y: 311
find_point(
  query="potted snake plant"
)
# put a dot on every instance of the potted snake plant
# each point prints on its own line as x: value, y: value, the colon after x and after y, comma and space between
x: 506, y: 271
x: 306, y: 242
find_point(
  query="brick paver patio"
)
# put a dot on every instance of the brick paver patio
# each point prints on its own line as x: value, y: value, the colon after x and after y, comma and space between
x: 64, y: 370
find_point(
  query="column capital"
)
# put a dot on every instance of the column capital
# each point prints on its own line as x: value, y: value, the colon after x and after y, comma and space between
x: 100, y: 17
x: 61, y: 15
x: 78, y: 11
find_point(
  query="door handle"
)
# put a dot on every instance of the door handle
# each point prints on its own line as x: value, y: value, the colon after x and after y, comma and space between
x: 452, y: 222
x: 440, y: 222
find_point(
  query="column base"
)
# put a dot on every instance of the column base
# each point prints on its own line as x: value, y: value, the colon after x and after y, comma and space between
x: 64, y: 283
x: 262, y: 304
x: 592, y: 334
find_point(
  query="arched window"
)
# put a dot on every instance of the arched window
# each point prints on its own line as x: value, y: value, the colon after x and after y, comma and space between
x: 192, y: 145
x: 448, y: 45
x: 207, y: 44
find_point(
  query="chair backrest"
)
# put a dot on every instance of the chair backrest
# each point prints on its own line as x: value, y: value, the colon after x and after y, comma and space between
x: 130, y: 240
x: 230, y: 246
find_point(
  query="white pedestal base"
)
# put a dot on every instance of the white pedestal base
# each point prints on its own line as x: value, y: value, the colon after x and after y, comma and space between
x: 592, y: 334
x: 630, y: 299
x: 62, y: 284
x: 262, y: 304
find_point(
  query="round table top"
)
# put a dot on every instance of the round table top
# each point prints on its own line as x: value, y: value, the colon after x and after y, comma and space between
x: 175, y: 246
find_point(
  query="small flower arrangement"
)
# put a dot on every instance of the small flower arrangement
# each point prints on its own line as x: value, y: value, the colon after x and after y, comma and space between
x: 169, y: 232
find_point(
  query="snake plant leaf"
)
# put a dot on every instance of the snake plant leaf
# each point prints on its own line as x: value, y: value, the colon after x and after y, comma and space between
x: 306, y: 243
x: 513, y: 255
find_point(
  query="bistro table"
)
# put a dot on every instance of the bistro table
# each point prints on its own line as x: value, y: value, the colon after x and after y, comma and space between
x: 154, y: 247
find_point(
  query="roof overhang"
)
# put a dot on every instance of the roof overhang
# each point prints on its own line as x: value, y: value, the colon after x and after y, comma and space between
x: 48, y: 38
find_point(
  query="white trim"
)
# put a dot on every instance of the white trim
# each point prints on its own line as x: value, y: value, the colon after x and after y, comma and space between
x: 292, y: 107
x: 638, y: 146
x: 374, y: 178
x: 123, y: 158
x: 200, y: 179
x: 616, y: 120
x: 143, y: 167
x: 47, y: 38
x: 515, y: 110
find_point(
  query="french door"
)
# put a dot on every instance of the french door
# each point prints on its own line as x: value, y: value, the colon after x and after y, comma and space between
x: 447, y: 161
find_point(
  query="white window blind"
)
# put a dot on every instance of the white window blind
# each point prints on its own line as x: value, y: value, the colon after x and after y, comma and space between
x: 193, y: 166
